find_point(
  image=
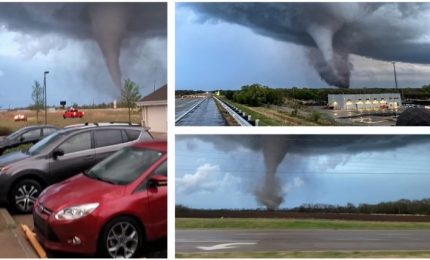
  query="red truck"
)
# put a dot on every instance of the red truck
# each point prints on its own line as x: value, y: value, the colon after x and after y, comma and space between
x: 73, y: 113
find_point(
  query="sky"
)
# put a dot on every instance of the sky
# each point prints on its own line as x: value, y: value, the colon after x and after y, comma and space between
x: 228, y: 45
x: 214, y: 172
x: 88, y: 49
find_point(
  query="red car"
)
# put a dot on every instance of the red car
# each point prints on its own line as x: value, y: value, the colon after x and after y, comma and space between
x: 73, y: 113
x: 110, y: 210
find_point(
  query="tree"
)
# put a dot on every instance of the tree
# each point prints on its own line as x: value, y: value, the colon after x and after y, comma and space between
x: 129, y: 96
x: 63, y: 103
x: 37, y: 97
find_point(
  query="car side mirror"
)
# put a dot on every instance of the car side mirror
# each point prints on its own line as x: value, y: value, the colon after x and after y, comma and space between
x: 157, y: 181
x: 57, y: 153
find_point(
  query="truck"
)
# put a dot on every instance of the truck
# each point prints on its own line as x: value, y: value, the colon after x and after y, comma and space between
x: 73, y: 113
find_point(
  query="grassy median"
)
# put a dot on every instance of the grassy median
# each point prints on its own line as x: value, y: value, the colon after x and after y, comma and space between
x: 273, y: 223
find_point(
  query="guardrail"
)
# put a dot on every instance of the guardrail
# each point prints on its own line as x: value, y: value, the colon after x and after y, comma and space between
x: 241, y: 117
x: 189, y: 110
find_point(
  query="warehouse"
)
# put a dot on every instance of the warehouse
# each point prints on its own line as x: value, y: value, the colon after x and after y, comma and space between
x: 364, y: 101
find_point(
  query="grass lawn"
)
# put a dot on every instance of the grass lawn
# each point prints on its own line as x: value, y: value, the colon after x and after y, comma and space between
x: 273, y: 223
x: 310, y: 254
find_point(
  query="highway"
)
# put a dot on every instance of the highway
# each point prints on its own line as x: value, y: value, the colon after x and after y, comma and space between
x: 205, y: 114
x: 189, y: 241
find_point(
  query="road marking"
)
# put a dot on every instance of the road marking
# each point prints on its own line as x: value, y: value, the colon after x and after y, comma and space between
x: 223, y: 246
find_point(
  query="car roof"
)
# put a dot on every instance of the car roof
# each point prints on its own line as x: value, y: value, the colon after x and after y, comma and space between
x: 83, y: 127
x: 160, y: 145
x: 39, y: 126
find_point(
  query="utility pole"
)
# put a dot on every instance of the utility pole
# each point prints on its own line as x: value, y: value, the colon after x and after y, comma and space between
x: 44, y: 94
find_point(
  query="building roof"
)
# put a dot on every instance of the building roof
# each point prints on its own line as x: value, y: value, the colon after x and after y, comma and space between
x: 158, y: 95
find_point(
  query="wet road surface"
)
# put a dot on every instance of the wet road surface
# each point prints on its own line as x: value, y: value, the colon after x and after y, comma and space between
x: 182, y: 105
x: 299, y: 240
x: 206, y: 114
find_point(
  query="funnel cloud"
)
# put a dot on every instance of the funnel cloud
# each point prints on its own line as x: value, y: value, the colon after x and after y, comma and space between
x: 113, y: 26
x: 275, y: 148
x: 333, y: 31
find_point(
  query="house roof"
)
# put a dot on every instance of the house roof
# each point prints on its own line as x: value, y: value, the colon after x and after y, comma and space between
x: 158, y: 97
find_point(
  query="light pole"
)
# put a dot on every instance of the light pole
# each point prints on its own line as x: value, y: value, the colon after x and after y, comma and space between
x: 44, y: 93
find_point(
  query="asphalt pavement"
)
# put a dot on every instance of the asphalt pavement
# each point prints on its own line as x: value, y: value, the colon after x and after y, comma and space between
x: 191, y: 241
x: 206, y: 114
x: 182, y: 105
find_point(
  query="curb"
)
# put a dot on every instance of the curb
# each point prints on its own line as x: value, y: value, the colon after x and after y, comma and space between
x: 6, y: 220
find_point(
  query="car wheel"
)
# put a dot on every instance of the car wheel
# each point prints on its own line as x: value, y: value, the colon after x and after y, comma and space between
x: 64, y: 117
x: 121, y: 238
x: 24, y: 195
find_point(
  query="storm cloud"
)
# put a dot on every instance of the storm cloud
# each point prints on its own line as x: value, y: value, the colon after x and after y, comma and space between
x: 333, y: 31
x: 275, y: 148
x: 115, y: 27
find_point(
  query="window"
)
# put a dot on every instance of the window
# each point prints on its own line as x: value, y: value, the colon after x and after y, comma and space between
x: 35, y: 133
x: 132, y: 135
x: 161, y: 170
x: 76, y: 143
x: 48, y: 131
x: 107, y: 137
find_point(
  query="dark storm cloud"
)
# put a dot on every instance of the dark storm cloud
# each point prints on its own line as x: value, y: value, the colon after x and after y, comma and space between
x: 109, y: 24
x: 275, y: 147
x: 383, y: 31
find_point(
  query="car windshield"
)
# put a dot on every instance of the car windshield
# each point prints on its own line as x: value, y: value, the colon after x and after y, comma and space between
x: 124, y: 166
x: 45, y: 142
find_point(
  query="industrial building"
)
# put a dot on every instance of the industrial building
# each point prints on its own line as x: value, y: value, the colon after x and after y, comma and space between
x: 364, y: 101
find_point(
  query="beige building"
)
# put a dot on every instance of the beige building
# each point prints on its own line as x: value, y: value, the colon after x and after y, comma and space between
x: 154, y: 110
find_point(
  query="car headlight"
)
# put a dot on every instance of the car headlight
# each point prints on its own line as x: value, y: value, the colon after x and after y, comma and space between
x: 76, y: 212
x: 4, y: 169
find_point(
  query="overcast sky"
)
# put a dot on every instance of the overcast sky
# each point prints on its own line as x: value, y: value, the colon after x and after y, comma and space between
x: 76, y: 42
x: 225, y: 172
x: 227, y: 45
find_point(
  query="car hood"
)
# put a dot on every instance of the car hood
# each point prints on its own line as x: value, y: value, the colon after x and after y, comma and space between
x: 12, y: 157
x: 78, y: 190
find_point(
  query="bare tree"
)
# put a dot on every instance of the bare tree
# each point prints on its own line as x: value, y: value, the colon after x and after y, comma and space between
x: 129, y: 96
x: 37, y: 97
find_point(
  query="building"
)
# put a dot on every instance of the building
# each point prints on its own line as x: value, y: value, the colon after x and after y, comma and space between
x: 154, y: 110
x: 364, y: 101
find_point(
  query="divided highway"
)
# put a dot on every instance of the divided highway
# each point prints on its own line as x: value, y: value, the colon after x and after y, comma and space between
x: 188, y: 241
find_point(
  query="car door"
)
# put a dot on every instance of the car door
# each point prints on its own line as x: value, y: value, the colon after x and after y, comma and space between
x: 157, y: 201
x: 107, y: 141
x: 79, y: 155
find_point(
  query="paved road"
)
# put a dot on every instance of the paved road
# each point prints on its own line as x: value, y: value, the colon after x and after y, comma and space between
x: 206, y: 114
x: 188, y: 241
x: 182, y: 105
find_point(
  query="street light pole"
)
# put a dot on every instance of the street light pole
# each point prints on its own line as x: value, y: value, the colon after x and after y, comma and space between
x: 44, y: 93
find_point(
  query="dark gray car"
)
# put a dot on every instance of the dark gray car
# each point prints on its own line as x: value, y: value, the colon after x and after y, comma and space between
x: 67, y: 152
x: 26, y: 135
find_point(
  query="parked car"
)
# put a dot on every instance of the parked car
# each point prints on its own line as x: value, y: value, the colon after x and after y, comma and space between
x: 27, y: 135
x: 20, y: 117
x: 112, y: 209
x: 61, y: 155
x: 73, y: 113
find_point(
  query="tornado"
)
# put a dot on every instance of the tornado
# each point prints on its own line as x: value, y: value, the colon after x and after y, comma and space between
x: 331, y: 32
x: 275, y: 148
x: 109, y: 27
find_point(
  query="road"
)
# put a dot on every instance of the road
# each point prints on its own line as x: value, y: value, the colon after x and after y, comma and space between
x: 157, y: 249
x: 182, y: 105
x: 206, y: 114
x: 188, y: 241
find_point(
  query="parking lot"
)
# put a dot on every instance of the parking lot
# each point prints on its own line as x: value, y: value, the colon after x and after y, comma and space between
x: 14, y: 239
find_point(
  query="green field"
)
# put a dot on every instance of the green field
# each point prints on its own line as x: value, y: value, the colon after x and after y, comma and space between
x: 310, y: 254
x: 272, y: 223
